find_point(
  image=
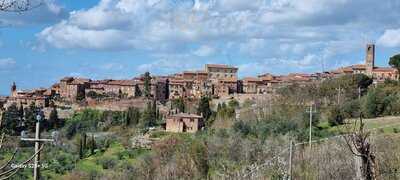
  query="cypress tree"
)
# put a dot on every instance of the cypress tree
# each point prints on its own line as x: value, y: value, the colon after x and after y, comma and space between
x: 93, y: 145
x: 147, y: 83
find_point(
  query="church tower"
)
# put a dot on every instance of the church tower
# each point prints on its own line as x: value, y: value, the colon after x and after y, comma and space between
x: 370, y: 59
x: 13, y: 90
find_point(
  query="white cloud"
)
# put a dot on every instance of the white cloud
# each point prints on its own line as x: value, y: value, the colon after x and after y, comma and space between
x: 7, y: 63
x: 112, y: 66
x: 68, y: 36
x: 204, y: 51
x: 294, y: 32
x: 391, y: 38
x: 170, y: 63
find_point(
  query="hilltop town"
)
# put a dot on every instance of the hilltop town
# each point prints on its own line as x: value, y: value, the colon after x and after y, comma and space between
x: 215, y: 80
x: 147, y: 110
x: 102, y: 123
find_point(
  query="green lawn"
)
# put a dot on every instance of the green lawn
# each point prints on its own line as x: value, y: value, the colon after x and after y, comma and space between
x: 387, y: 124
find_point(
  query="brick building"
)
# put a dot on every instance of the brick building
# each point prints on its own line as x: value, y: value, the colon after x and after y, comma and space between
x: 251, y: 85
x: 379, y: 74
x: 40, y: 97
x: 221, y: 71
x: 73, y: 89
x: 184, y: 122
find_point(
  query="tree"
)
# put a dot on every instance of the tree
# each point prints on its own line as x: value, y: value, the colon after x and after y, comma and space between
x: 358, y: 143
x: 120, y: 94
x: 30, y: 117
x: 395, y: 62
x: 335, y: 116
x: 372, y: 105
x: 138, y: 92
x: 19, y: 5
x: 147, y: 83
x: 92, y: 145
x: 149, y: 115
x: 179, y: 104
x: 204, y: 108
x: 53, y: 122
x: 80, y: 146
x: 233, y: 103
x: 11, y: 120
x: 132, y: 117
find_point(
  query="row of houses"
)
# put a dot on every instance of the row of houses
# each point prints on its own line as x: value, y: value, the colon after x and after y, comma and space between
x: 215, y: 80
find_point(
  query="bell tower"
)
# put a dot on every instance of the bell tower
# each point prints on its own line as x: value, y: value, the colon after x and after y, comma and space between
x: 13, y: 90
x: 370, y: 58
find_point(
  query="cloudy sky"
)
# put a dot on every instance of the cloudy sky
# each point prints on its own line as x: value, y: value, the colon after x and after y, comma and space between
x: 124, y: 38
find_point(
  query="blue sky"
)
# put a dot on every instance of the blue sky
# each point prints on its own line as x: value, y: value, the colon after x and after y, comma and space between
x: 124, y: 38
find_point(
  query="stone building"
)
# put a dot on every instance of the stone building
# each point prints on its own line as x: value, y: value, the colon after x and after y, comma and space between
x: 195, y: 75
x: 225, y: 87
x: 40, y: 97
x: 221, y: 71
x: 251, y: 85
x: 180, y: 88
x: 73, y: 89
x: 123, y: 88
x: 379, y: 74
x: 184, y: 122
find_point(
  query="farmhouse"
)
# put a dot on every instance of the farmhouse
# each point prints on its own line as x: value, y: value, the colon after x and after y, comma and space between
x: 184, y: 122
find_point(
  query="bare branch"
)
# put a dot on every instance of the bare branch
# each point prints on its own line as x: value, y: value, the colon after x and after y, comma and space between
x: 10, y: 160
x: 6, y: 173
x: 19, y: 5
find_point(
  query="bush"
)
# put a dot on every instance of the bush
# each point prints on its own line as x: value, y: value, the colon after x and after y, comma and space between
x: 107, y: 162
x: 233, y: 103
x: 396, y: 130
x: 351, y: 109
x: 335, y: 116
x: 372, y: 104
x: 242, y: 128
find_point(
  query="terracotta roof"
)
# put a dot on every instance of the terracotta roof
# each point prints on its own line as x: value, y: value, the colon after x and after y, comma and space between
x: 122, y: 82
x: 228, y: 80
x: 179, y: 81
x: 251, y: 79
x: 300, y: 79
x: 299, y: 75
x: 347, y: 69
x: 76, y: 80
x: 384, y: 69
x: 186, y: 115
x: 220, y: 66
x: 358, y: 66
x: 56, y: 85
x: 47, y: 93
x: 67, y: 79
x: 189, y: 72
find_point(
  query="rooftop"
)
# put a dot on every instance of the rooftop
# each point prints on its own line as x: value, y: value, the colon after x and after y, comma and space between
x: 220, y: 66
x: 186, y: 115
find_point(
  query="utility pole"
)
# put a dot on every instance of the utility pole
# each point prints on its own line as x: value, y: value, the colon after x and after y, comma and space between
x: 311, y: 116
x: 338, y: 97
x: 270, y: 105
x: 290, y: 159
x: 37, y: 140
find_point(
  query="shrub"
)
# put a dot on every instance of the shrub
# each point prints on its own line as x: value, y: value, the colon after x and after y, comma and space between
x: 242, y: 128
x: 335, y: 116
x: 396, y: 130
x: 107, y: 162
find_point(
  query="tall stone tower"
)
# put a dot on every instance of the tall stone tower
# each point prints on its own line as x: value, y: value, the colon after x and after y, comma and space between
x: 370, y: 59
x: 13, y: 90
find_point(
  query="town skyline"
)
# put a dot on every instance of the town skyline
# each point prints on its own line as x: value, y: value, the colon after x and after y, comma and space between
x: 261, y: 41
